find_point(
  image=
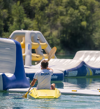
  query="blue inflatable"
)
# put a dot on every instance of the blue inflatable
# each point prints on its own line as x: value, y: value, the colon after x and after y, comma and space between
x: 11, y: 60
x: 83, y: 69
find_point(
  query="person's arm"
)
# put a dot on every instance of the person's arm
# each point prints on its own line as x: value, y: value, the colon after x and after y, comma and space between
x: 33, y: 82
x: 49, y: 68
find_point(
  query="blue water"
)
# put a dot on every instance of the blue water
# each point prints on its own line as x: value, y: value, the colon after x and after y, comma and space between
x: 15, y: 100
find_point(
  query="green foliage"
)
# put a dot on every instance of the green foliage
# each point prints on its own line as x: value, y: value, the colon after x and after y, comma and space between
x: 17, y: 17
x: 79, y: 23
x: 68, y: 24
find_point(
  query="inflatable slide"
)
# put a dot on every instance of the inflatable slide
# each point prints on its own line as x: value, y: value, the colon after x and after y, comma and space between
x: 84, y: 63
x: 34, y: 41
x: 12, y: 74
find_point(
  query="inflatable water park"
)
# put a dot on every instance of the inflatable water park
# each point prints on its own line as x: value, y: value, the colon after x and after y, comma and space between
x: 25, y: 46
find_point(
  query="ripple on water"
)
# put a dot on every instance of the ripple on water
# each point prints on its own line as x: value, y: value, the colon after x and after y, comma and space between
x: 15, y: 100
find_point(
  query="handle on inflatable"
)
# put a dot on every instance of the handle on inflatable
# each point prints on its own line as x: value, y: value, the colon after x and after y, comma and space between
x: 52, y: 52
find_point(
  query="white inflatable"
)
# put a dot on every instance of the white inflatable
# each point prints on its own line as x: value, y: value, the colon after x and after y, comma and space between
x: 85, y: 92
x: 12, y: 74
x: 85, y: 63
x: 34, y: 40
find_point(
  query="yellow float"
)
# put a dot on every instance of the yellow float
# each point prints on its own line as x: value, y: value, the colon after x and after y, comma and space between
x: 43, y: 45
x: 34, y: 45
x: 46, y: 56
x: 45, y: 93
x: 22, y: 44
x: 35, y: 57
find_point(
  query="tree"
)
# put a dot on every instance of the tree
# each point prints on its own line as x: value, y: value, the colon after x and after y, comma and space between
x: 3, y: 16
x: 18, y: 15
x: 79, y: 23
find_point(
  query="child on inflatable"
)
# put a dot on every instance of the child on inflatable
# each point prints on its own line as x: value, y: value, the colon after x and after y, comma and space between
x: 44, y: 77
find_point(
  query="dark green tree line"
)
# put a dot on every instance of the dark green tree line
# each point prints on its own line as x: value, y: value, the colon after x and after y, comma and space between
x: 68, y: 24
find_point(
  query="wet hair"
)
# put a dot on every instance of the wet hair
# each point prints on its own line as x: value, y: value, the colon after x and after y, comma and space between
x: 44, y: 64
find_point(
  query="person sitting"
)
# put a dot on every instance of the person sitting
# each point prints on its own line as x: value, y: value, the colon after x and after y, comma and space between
x: 43, y: 77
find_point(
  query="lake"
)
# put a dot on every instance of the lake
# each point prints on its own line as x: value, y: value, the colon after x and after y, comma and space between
x: 15, y: 100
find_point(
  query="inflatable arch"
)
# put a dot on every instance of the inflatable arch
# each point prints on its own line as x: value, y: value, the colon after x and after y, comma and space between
x: 32, y: 40
x: 12, y: 74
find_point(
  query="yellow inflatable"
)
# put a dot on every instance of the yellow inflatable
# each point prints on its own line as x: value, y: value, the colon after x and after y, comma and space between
x: 35, y: 57
x: 43, y: 45
x: 34, y: 45
x: 46, y: 56
x: 45, y: 93
x: 22, y: 44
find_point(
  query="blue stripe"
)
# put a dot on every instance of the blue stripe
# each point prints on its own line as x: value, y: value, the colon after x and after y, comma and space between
x: 18, y: 80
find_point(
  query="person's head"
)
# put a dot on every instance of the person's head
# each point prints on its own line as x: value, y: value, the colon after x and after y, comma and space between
x: 44, y: 64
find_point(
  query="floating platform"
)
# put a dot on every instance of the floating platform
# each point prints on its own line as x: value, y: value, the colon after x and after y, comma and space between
x: 84, y: 63
x: 84, y: 92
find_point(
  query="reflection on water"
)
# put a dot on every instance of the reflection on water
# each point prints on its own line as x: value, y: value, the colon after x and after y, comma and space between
x: 78, y: 83
x: 82, y: 83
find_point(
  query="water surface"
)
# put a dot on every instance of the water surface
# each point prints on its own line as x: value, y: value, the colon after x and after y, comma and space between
x: 15, y: 100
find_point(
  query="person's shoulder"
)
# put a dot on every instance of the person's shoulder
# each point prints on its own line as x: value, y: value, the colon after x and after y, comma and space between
x: 51, y: 71
x: 39, y: 71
